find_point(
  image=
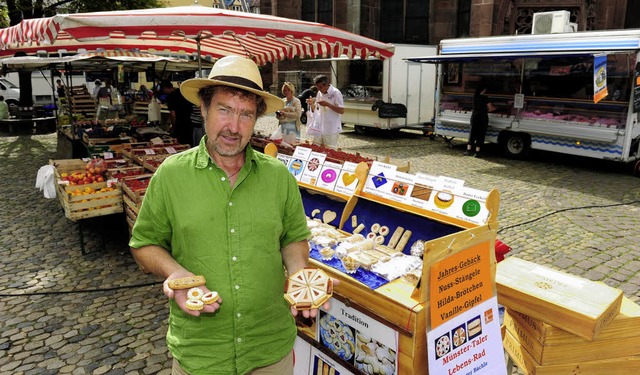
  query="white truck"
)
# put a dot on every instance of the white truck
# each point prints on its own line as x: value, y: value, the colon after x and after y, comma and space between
x: 41, y: 86
x: 542, y: 86
x: 390, y: 94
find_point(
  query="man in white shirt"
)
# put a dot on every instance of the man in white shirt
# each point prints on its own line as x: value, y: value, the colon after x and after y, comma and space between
x: 329, y: 107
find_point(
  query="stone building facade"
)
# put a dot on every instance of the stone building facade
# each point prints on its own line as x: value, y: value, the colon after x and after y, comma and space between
x: 429, y: 21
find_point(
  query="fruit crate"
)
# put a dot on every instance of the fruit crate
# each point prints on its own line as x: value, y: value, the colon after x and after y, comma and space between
x: 135, y: 187
x: 131, y: 206
x: 124, y: 172
x: 153, y: 162
x: 139, y: 155
x: 67, y: 166
x: 117, y: 163
x: 127, y: 148
x: 89, y: 200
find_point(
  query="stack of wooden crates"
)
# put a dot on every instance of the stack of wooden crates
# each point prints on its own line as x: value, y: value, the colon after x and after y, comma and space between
x: 82, y: 102
x: 558, y: 324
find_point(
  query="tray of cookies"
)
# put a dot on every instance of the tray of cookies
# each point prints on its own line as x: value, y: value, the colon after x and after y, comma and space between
x: 308, y: 288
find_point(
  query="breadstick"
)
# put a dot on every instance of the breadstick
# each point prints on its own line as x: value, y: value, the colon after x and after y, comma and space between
x: 395, y: 237
x: 358, y: 229
x: 354, y: 221
x: 403, y: 240
x: 186, y: 282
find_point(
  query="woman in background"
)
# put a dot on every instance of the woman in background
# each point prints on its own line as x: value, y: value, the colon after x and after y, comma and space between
x: 289, y: 116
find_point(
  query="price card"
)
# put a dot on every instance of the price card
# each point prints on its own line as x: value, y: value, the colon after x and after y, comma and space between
x: 63, y: 182
x: 156, y: 141
x: 422, y: 190
x: 296, y: 167
x: 149, y: 151
x: 312, y: 170
x: 171, y: 150
x: 285, y: 159
x: 379, y: 178
x: 108, y: 155
x: 329, y: 175
x: 347, y: 181
x: 471, y: 205
x: 302, y: 153
x: 446, y: 193
x: 110, y: 128
x: 111, y: 182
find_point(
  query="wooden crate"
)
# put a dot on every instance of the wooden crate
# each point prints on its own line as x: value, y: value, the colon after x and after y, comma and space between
x: 134, y: 170
x: 67, y: 166
x: 525, y: 362
x: 626, y: 324
x: 127, y: 148
x: 77, y: 207
x: 135, y: 195
x: 149, y: 160
x: 575, y: 304
x: 131, y: 205
x: 599, y: 349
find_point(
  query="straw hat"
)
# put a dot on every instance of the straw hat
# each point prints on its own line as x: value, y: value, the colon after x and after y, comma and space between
x: 290, y: 86
x: 232, y: 71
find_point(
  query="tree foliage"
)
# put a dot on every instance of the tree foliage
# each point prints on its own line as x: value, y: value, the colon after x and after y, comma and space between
x: 17, y: 10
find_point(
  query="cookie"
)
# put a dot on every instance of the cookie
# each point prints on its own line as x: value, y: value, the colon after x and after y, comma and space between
x: 195, y: 293
x: 210, y: 298
x: 187, y: 282
x: 194, y: 305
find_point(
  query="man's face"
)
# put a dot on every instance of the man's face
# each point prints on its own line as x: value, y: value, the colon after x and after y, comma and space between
x: 322, y: 87
x: 230, y: 121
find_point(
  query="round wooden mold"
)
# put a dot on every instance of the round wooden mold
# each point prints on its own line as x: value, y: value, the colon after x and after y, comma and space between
x: 308, y: 288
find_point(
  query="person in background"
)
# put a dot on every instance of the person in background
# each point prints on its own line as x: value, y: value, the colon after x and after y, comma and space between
x: 289, y: 116
x: 104, y: 93
x: 4, y: 109
x: 311, y: 92
x: 479, y: 121
x: 234, y: 216
x: 198, y: 125
x: 180, y: 113
x: 145, y: 93
x: 61, y: 89
x: 97, y: 84
x: 329, y: 107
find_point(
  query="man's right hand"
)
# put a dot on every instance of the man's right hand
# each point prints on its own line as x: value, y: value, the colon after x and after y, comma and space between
x: 180, y: 295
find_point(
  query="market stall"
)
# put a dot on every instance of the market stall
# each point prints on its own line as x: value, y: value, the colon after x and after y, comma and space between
x: 196, y: 30
x: 388, y: 236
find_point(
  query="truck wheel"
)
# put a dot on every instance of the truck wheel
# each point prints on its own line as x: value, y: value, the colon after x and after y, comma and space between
x: 12, y: 102
x: 516, y: 145
x: 636, y: 169
x: 361, y: 130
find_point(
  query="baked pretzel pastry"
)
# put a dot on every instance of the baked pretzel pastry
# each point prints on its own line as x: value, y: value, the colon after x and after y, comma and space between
x: 308, y: 288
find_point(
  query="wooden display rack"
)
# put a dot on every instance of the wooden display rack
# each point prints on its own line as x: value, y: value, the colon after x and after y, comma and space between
x: 400, y: 304
x: 82, y: 102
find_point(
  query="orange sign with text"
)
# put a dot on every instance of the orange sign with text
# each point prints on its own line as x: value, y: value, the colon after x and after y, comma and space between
x: 460, y: 282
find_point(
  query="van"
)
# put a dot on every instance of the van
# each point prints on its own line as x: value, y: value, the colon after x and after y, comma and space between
x: 10, y: 92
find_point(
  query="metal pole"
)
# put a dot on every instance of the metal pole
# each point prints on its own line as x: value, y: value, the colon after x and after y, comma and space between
x: 199, y: 57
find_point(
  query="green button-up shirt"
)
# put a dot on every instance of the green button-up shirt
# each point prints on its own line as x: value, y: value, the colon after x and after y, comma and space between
x: 233, y: 237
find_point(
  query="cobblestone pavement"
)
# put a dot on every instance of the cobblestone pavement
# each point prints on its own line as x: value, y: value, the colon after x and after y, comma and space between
x: 574, y: 214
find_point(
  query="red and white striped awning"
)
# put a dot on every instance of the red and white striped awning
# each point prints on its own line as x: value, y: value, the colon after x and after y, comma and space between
x: 92, y: 61
x: 263, y: 38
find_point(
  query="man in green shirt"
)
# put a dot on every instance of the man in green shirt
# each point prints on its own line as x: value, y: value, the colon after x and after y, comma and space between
x: 235, y: 216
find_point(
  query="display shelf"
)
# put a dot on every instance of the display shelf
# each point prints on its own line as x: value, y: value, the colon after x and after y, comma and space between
x: 400, y: 304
